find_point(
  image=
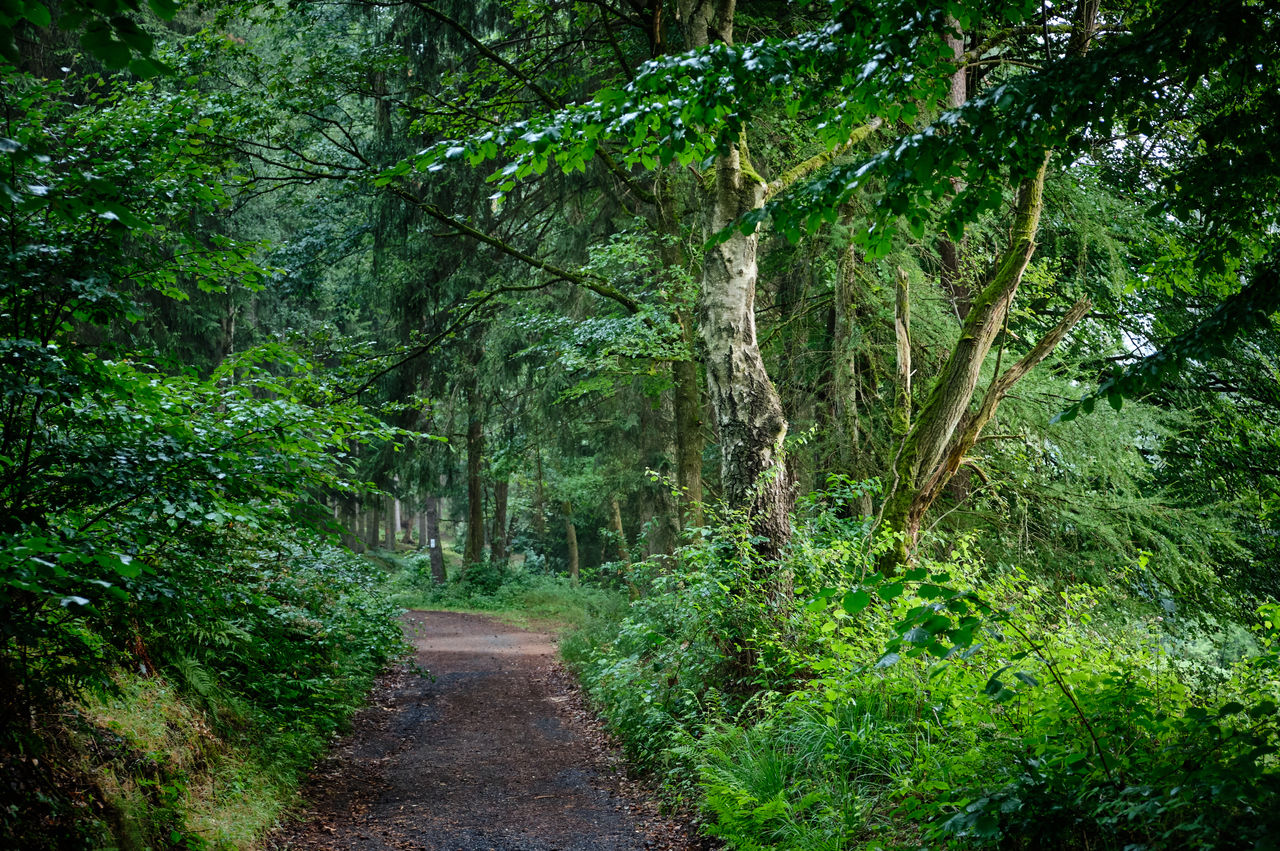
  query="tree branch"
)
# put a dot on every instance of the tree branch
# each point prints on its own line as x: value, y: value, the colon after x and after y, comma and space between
x: 545, y: 96
x: 809, y: 166
x: 968, y: 433
x: 596, y: 286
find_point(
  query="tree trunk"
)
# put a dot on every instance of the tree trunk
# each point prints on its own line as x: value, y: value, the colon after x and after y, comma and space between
x: 474, y: 550
x: 748, y: 412
x: 422, y: 526
x: 435, y: 549
x: 663, y: 530
x: 928, y: 438
x: 615, y: 526
x: 902, y: 349
x: 350, y: 525
x: 950, y: 253
x: 687, y: 402
x: 373, y: 524
x: 404, y: 523
x: 850, y: 436
x: 945, y: 429
x: 498, y: 533
x: 390, y: 504
x: 571, y: 539
x: 689, y: 441
x: 540, y: 502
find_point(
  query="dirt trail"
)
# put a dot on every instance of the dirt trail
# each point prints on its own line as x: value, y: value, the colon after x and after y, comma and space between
x: 498, y: 752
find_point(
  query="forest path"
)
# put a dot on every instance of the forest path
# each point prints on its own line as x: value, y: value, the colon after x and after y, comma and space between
x: 497, y: 753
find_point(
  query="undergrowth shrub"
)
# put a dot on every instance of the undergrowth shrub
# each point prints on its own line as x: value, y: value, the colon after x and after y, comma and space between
x: 241, y: 673
x: 815, y: 704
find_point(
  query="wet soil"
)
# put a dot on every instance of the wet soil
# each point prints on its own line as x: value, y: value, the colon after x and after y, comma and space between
x: 496, y: 751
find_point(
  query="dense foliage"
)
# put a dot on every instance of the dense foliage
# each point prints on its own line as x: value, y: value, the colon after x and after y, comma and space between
x: 959, y: 706
x: 909, y: 367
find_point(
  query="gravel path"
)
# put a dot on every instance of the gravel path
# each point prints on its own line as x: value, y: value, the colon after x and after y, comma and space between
x: 497, y: 753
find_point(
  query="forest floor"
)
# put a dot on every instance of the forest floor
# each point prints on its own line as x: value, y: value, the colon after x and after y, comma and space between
x: 495, y: 751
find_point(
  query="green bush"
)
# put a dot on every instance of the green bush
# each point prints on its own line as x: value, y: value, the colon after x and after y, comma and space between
x: 256, y: 660
x: 816, y: 704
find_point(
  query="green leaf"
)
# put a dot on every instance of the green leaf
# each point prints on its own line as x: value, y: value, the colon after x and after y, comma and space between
x: 890, y: 591
x: 887, y: 659
x: 38, y: 14
x: 856, y: 601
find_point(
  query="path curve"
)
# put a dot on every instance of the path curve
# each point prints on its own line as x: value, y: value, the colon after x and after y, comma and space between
x: 497, y: 753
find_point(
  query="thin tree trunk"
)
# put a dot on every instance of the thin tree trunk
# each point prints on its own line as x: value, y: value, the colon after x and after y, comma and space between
x: 404, y: 523
x: 435, y: 549
x: 663, y: 530
x: 498, y: 534
x: 422, y: 526
x: 474, y: 550
x: 373, y: 527
x: 540, y: 501
x: 571, y: 539
x: 851, y: 450
x: 689, y: 440
x: 902, y: 346
x: 687, y: 402
x: 392, y: 520
x: 950, y: 253
x: 350, y: 526
x: 615, y: 526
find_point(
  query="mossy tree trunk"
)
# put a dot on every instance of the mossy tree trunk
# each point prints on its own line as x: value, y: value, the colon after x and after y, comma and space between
x: 944, y: 430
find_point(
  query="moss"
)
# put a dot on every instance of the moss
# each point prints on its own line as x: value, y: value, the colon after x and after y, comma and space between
x: 151, y: 765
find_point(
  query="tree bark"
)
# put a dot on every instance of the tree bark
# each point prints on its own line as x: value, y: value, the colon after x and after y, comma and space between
x: 748, y: 412
x: 945, y: 430
x: 663, y: 530
x: 391, y: 506
x: 689, y: 441
x: 404, y: 523
x: 850, y: 436
x: 422, y: 526
x: 687, y: 402
x: 950, y: 253
x: 435, y: 549
x: 902, y: 346
x: 571, y: 539
x: 498, y: 532
x: 373, y: 521
x: 473, y: 552
x: 615, y: 526
x: 540, y: 501
x: 928, y: 438
x: 350, y: 526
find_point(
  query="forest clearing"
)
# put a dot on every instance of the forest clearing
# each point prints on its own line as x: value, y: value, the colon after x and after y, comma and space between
x: 830, y: 425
